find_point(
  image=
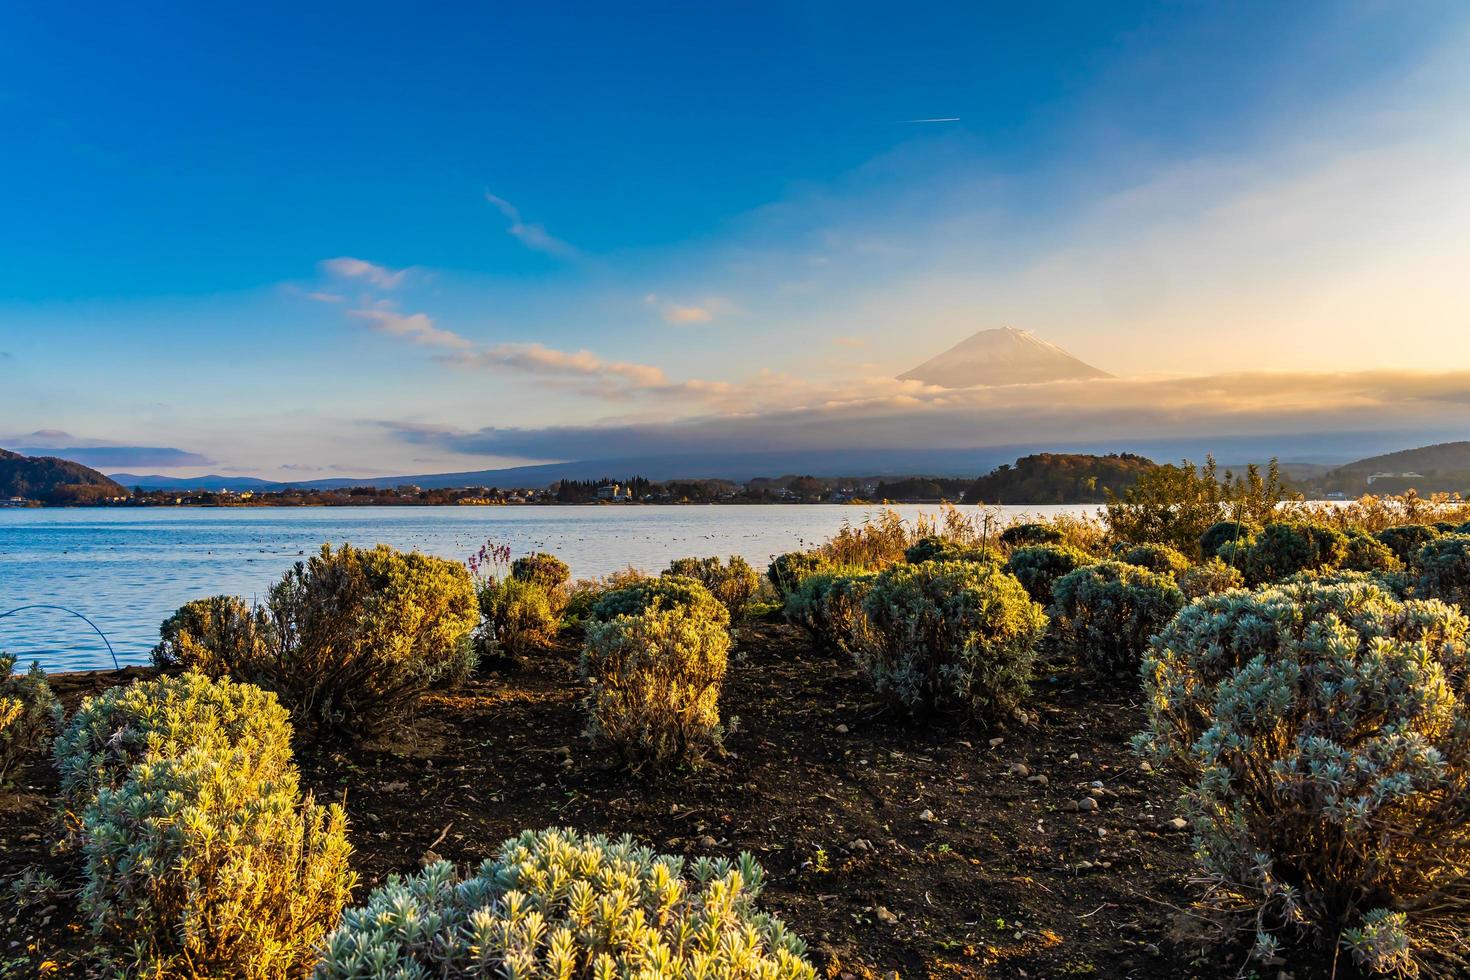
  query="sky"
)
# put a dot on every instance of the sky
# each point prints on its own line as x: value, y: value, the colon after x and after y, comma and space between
x: 371, y: 239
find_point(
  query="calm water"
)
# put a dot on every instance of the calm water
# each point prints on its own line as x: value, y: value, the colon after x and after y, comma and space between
x: 128, y: 570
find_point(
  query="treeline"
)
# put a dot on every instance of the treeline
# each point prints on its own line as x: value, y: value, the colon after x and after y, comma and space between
x: 1059, y: 478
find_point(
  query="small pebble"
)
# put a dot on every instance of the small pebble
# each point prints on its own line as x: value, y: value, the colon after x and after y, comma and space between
x: 842, y: 729
x: 1087, y: 804
x: 927, y: 816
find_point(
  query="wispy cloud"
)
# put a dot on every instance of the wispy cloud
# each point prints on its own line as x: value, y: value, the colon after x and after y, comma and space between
x: 416, y: 328
x: 542, y: 360
x: 326, y: 297
x: 100, y: 453
x: 346, y: 267
x: 686, y: 314
x: 533, y: 236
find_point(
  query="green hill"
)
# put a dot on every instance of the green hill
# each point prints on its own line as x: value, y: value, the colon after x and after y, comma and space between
x: 1059, y: 478
x: 1427, y: 469
x: 53, y: 481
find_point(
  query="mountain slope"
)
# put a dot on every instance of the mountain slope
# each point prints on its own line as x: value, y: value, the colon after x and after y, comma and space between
x: 1004, y: 356
x: 1443, y: 467
x: 52, y: 480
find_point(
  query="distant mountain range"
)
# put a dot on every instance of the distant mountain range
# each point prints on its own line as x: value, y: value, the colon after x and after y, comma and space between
x: 1004, y: 356
x: 1443, y: 467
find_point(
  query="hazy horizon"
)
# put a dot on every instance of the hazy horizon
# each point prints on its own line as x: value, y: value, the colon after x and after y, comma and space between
x: 306, y: 244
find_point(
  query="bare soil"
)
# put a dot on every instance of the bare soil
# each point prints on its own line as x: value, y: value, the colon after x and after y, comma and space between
x: 895, y: 849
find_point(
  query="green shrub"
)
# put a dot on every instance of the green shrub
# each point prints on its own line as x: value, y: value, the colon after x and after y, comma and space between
x: 654, y: 675
x: 547, y: 571
x: 734, y: 583
x: 1329, y: 737
x: 1037, y: 567
x: 829, y: 606
x: 520, y: 616
x: 950, y: 636
x: 1105, y: 613
x: 1285, y: 549
x: 1156, y: 558
x: 786, y: 571
x: 556, y: 904
x: 164, y: 718
x: 1215, y: 637
x: 355, y: 638
x: 210, y: 635
x: 1212, y: 577
x: 1030, y: 533
x: 1444, y: 569
x: 195, y: 867
x: 1405, y: 540
x: 1221, y: 533
x: 1365, y: 553
x: 26, y: 705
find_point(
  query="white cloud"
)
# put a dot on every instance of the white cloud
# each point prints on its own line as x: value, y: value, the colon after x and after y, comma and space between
x: 346, y: 267
x: 533, y: 236
x: 686, y: 314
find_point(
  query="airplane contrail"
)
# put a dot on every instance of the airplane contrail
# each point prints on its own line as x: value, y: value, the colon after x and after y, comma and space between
x: 945, y: 119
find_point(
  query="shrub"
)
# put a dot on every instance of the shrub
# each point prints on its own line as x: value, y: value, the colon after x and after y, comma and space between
x: 196, y: 867
x: 1221, y: 533
x: 547, y: 571
x: 734, y: 583
x: 1156, y: 558
x: 829, y: 606
x: 212, y: 635
x: 1210, y: 578
x: 1285, y: 549
x: 1220, y: 634
x: 356, y: 637
x: 556, y: 904
x: 1037, y: 567
x: 519, y: 616
x: 1029, y: 533
x: 1105, y: 613
x: 26, y: 704
x: 1405, y: 540
x: 950, y: 636
x: 1366, y: 553
x: 665, y: 591
x: 786, y: 571
x: 1327, y: 728
x: 654, y: 674
x: 1444, y: 569
x: 933, y: 548
x: 163, y: 719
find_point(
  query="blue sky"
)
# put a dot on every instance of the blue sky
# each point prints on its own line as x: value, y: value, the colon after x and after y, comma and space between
x: 367, y: 238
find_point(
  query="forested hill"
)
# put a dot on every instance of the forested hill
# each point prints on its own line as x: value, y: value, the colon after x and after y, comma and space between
x: 53, y: 481
x: 1058, y: 478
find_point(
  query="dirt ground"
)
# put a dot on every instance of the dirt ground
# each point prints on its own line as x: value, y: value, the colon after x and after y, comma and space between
x: 893, y: 849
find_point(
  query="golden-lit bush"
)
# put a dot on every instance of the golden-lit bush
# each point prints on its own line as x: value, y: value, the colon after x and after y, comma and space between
x: 520, y: 615
x: 734, y: 582
x: 1326, y: 732
x: 26, y: 703
x: 195, y: 867
x: 164, y: 718
x: 950, y: 636
x: 554, y: 904
x: 1158, y: 558
x: 654, y: 662
x: 351, y: 640
x: 547, y: 571
x: 212, y: 634
x: 1209, y: 578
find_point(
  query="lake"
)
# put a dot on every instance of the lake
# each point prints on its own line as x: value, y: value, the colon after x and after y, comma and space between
x: 128, y: 569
